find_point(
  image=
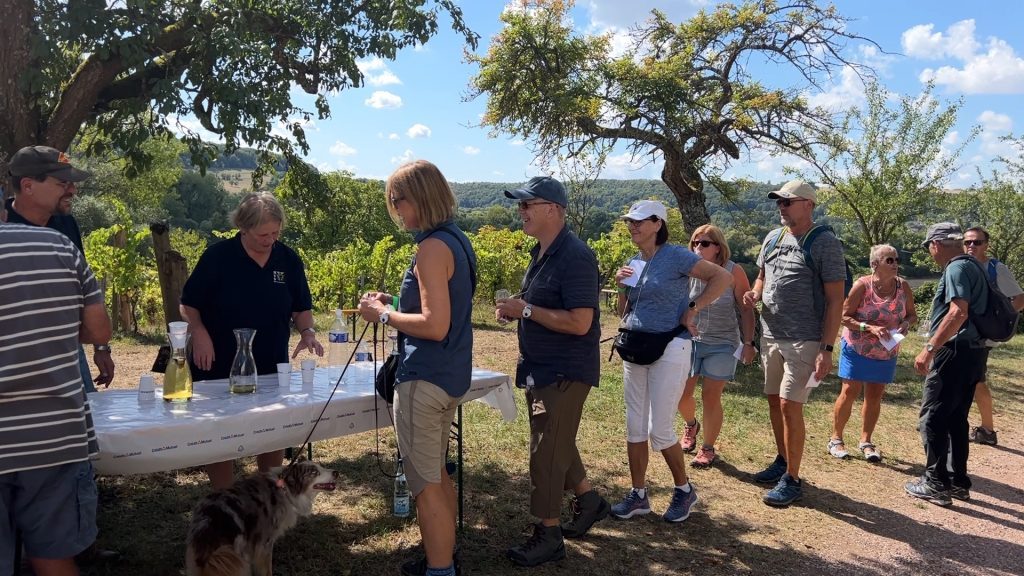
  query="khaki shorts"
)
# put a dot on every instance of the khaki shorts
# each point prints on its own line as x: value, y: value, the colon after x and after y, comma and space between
x: 788, y: 365
x: 423, y: 420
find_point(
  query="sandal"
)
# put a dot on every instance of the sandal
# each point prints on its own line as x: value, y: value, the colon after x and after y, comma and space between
x: 837, y: 448
x: 871, y: 452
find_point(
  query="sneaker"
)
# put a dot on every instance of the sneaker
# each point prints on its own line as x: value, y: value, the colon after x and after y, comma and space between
x: 871, y: 452
x: 587, y: 509
x: 632, y: 505
x: 921, y: 489
x: 837, y: 448
x: 682, y: 503
x: 960, y: 492
x: 545, y: 545
x: 785, y: 492
x: 983, y: 436
x: 689, y: 441
x: 705, y: 457
x: 773, y: 472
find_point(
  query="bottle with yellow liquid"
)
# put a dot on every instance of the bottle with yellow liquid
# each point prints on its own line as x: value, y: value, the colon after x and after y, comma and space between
x: 178, y: 377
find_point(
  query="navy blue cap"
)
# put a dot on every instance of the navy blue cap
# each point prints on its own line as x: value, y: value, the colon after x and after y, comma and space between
x: 543, y: 187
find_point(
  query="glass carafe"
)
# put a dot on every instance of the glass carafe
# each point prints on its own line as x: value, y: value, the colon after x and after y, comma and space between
x: 243, y: 368
x: 178, y: 376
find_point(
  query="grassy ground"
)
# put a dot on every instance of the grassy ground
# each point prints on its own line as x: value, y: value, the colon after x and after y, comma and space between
x: 854, y: 518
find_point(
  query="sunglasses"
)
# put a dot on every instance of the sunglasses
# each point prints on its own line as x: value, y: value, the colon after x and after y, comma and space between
x: 787, y: 202
x: 635, y: 223
x: 703, y: 243
x: 524, y: 205
x: 890, y: 260
x: 975, y: 242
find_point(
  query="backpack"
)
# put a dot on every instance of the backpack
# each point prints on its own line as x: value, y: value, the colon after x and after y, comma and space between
x: 805, y: 245
x: 999, y: 320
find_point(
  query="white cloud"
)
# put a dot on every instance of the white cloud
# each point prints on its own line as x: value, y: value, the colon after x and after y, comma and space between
x: 394, y: 136
x: 471, y: 150
x: 994, y: 121
x: 381, y: 99
x: 996, y: 70
x: 625, y: 166
x: 849, y: 92
x: 407, y: 156
x: 994, y: 126
x: 418, y: 131
x: 619, y: 14
x: 377, y: 73
x: 341, y: 149
x: 951, y: 139
x: 517, y: 142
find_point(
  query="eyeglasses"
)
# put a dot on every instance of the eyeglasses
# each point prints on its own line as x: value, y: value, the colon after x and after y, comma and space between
x: 395, y: 200
x: 64, y: 185
x: 890, y: 260
x: 524, y: 205
x: 975, y: 242
x: 635, y: 223
x: 703, y: 243
x: 787, y: 202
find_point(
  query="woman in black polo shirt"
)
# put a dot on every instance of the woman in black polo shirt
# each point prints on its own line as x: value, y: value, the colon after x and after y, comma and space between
x: 248, y: 281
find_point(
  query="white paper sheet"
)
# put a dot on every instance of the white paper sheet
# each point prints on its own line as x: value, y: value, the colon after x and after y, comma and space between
x: 638, y: 269
x: 894, y: 339
x: 813, y: 382
x: 738, y: 354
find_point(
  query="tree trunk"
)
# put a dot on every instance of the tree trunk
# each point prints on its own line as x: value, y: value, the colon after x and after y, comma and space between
x: 172, y: 270
x: 687, y: 186
x: 122, y: 306
x: 19, y: 119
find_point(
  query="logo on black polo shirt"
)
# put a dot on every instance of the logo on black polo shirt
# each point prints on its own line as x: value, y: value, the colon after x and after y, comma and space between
x: 278, y: 276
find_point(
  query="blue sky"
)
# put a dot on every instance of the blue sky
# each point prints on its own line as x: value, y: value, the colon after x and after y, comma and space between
x: 414, y: 107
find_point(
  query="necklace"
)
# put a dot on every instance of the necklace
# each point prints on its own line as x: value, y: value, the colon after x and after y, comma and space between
x: 880, y: 288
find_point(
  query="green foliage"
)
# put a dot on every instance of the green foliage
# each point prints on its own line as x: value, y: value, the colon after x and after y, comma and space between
x: 201, y: 203
x: 682, y: 91
x: 189, y: 243
x: 338, y: 278
x: 890, y: 173
x: 502, y: 257
x: 612, y: 250
x: 923, y: 296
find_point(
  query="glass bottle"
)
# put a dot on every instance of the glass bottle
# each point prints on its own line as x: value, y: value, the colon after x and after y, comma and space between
x: 242, y: 379
x: 401, y: 505
x: 178, y: 376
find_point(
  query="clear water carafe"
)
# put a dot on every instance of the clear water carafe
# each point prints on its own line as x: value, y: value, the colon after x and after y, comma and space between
x: 178, y: 376
x: 243, y: 369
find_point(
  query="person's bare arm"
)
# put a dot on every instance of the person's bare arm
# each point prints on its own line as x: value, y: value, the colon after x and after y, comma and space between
x: 95, y: 327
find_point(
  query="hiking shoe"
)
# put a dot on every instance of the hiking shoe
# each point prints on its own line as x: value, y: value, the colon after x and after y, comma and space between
x: 837, y: 448
x: 632, y: 505
x: 773, y: 472
x: 921, y: 489
x: 983, y: 436
x: 960, y: 492
x: 586, y: 509
x: 785, y: 492
x: 871, y: 452
x: 545, y: 545
x: 689, y: 441
x: 705, y: 457
x: 418, y: 567
x: 682, y: 503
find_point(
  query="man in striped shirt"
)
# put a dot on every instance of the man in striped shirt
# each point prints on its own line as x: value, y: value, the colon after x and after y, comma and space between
x: 49, y: 302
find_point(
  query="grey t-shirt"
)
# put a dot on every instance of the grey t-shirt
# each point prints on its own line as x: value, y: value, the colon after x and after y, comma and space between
x: 662, y: 293
x: 1007, y: 285
x: 794, y: 294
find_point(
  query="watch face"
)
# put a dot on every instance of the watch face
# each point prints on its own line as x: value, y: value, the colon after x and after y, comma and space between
x: 527, y: 312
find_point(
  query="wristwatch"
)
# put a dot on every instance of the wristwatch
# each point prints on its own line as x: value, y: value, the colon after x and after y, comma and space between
x: 929, y: 347
x: 826, y: 347
x: 310, y: 329
x: 528, y: 311
x: 385, y: 316
x: 101, y: 347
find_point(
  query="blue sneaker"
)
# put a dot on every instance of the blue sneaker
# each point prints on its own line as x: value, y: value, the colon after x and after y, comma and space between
x: 773, y: 472
x: 785, y: 492
x: 682, y: 503
x: 632, y: 505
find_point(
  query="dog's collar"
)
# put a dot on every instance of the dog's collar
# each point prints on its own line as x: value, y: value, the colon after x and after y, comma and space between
x: 280, y: 483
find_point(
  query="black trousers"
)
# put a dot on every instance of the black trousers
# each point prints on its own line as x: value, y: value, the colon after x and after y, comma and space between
x: 948, y: 394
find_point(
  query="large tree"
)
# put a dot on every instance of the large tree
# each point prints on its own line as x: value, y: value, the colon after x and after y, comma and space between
x: 229, y: 63
x: 884, y: 163
x: 687, y: 93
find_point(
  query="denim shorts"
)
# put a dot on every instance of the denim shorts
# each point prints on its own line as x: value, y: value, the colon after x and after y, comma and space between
x: 715, y: 361
x: 54, y: 509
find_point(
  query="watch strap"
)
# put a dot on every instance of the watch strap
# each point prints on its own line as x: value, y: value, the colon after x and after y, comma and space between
x: 101, y: 347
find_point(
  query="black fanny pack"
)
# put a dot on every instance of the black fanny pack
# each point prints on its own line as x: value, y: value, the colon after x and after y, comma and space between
x: 643, y: 347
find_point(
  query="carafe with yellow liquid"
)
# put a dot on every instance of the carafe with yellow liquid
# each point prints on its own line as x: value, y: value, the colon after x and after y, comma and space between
x: 242, y: 379
x: 178, y: 377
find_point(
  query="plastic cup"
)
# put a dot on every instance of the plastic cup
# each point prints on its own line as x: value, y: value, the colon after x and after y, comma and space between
x: 284, y: 373
x: 502, y: 295
x: 308, y: 369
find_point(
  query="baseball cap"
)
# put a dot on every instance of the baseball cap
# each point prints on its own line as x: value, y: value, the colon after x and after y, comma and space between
x: 644, y: 209
x: 942, y: 231
x: 45, y: 161
x: 543, y: 187
x: 795, y: 189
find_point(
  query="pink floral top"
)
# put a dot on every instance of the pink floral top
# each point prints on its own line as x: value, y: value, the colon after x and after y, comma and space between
x: 888, y: 312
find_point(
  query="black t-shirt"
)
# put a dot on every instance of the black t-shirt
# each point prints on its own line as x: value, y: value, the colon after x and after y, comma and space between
x: 231, y: 290
x: 63, y: 223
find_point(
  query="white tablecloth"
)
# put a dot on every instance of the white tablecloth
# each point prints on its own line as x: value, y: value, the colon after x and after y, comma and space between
x: 140, y: 436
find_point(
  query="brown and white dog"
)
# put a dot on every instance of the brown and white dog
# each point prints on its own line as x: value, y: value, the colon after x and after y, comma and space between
x: 233, y: 531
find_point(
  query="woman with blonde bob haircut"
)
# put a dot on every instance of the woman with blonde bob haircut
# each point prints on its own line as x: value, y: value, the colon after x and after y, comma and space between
x: 719, y: 329
x: 435, y: 347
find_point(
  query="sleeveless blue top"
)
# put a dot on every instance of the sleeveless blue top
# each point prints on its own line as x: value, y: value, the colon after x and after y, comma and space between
x: 447, y: 363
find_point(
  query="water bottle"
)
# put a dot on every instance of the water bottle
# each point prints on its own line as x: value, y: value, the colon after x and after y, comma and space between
x: 337, y: 338
x: 401, y: 504
x: 363, y: 353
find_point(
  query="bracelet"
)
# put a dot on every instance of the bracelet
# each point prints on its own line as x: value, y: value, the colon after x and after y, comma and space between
x: 101, y: 348
x: 394, y: 302
x: 863, y: 327
x: 310, y: 329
